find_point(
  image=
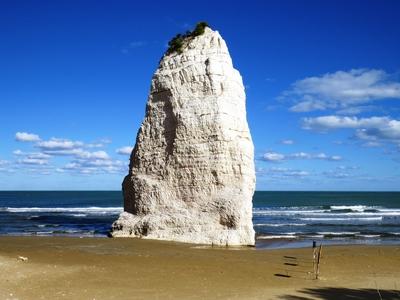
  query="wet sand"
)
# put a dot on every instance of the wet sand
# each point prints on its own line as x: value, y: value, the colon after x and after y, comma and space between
x: 102, y: 268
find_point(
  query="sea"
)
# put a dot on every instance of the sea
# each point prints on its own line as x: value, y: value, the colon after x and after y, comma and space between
x: 281, y: 219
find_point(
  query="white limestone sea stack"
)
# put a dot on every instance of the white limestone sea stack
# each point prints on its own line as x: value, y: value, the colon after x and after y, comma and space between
x: 191, y: 175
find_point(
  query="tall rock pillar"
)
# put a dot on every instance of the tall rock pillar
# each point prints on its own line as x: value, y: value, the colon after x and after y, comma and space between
x: 191, y: 175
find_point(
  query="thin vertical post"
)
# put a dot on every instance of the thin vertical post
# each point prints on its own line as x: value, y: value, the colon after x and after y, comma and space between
x: 314, y: 257
x: 318, y: 261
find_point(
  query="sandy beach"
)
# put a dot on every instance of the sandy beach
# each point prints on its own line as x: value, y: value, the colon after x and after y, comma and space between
x: 102, y: 268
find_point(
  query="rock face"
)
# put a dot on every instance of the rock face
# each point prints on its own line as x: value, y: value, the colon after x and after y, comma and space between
x: 191, y: 176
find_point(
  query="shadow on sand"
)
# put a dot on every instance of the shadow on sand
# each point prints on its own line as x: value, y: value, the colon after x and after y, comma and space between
x: 330, y: 293
x: 298, y: 267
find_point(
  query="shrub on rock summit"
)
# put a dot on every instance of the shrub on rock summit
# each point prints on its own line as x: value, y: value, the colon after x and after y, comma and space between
x: 176, y: 43
x: 199, y: 30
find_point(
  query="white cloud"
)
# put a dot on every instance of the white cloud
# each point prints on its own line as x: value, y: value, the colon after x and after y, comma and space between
x: 98, y: 144
x: 347, y: 167
x: 341, y: 172
x: 33, y: 161
x: 273, y: 156
x: 96, y: 166
x: 280, y: 173
x: 355, y: 110
x: 84, y: 161
x: 287, y: 142
x: 5, y: 166
x: 18, y: 152
x: 372, y: 144
x: 58, y: 144
x: 335, y: 174
x: 373, y: 128
x: 102, y: 155
x: 278, y: 157
x: 341, y: 90
x: 127, y: 150
x: 79, y: 153
x: 66, y: 147
x: 26, y: 137
x: 94, y: 145
x: 34, y: 155
x: 336, y: 122
x: 4, y: 162
x: 66, y: 152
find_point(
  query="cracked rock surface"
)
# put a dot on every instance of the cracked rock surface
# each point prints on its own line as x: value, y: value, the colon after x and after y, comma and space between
x: 191, y: 175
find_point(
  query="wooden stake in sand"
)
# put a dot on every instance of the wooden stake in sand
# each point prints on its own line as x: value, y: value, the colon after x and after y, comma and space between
x: 314, y: 256
x: 318, y: 261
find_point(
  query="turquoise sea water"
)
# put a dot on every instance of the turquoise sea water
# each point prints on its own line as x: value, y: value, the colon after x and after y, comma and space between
x: 280, y: 219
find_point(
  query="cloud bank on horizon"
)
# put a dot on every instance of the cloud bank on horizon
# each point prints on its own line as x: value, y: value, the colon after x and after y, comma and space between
x: 44, y: 154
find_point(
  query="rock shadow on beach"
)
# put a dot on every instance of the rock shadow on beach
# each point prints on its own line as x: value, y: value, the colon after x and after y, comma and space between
x: 333, y: 293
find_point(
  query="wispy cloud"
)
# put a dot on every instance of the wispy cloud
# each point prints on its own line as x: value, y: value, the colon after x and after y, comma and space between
x: 26, y: 137
x: 280, y: 173
x: 335, y: 174
x: 133, y: 45
x: 95, y: 166
x: 341, y: 90
x: 4, y: 162
x: 33, y: 161
x: 31, y: 158
x: 83, y: 161
x: 55, y: 144
x: 341, y: 172
x: 38, y: 155
x: 98, y: 144
x: 355, y: 110
x: 287, y: 142
x: 273, y: 156
x: 102, y: 155
x: 127, y: 150
x: 66, y: 147
x: 278, y: 157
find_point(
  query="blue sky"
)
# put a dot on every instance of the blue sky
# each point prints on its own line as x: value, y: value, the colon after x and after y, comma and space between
x: 322, y: 82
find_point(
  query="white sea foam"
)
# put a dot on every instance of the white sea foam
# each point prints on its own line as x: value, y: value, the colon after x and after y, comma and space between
x: 86, y: 210
x: 326, y: 213
x: 338, y: 233
x: 285, y: 212
x: 352, y: 207
x: 43, y: 232
x: 268, y: 237
x: 369, y: 235
x: 279, y: 224
x: 343, y: 219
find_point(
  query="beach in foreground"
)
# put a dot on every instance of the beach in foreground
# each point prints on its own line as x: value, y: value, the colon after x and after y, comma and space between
x: 100, y: 268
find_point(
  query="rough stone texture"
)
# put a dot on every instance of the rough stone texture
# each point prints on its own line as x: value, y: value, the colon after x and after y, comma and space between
x: 192, y: 175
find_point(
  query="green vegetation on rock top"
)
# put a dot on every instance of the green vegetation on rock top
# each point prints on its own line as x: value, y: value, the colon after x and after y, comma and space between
x: 177, y: 43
